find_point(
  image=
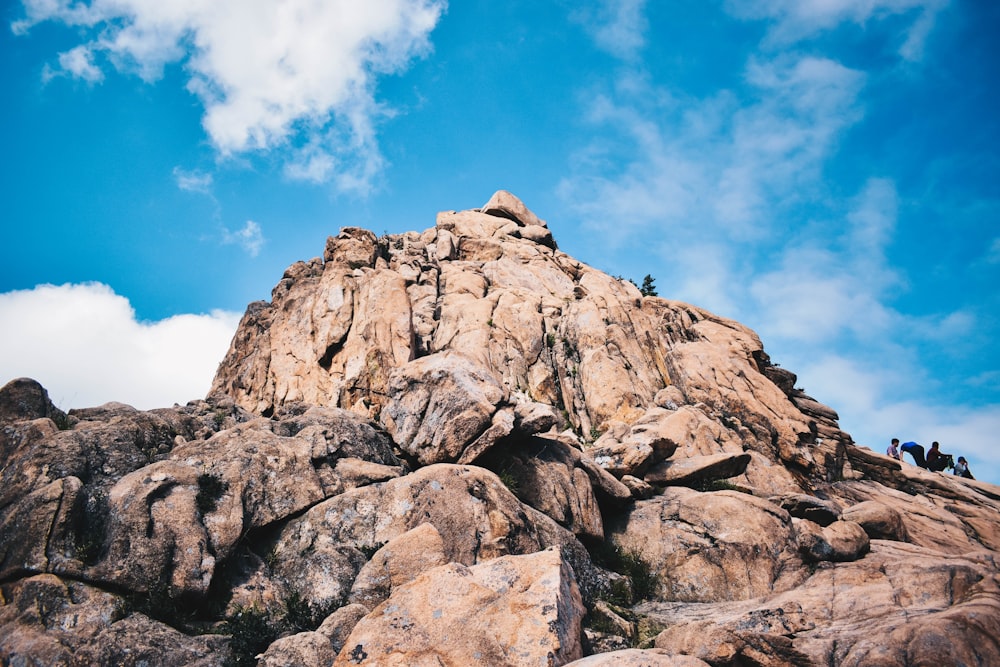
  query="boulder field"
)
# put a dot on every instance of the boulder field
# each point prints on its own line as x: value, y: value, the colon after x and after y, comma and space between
x: 464, y: 447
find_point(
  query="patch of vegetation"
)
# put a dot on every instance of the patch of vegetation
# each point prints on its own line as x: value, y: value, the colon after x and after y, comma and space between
x: 300, y: 616
x: 550, y: 340
x: 251, y: 630
x: 595, y: 433
x: 630, y: 563
x: 62, y: 421
x: 369, y: 549
x: 510, y: 481
x: 210, y: 489
x: 271, y: 558
x: 647, y: 630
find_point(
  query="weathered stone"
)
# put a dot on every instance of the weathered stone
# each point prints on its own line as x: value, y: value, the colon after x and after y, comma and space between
x: 304, y: 649
x: 880, y: 521
x: 698, y: 469
x: 705, y: 547
x: 47, y: 621
x: 505, y: 205
x: 477, y: 517
x: 839, y: 541
x: 640, y: 489
x: 24, y: 399
x: 901, y: 604
x: 398, y: 562
x: 514, y: 610
x: 633, y: 657
x: 438, y: 405
x: 803, y: 506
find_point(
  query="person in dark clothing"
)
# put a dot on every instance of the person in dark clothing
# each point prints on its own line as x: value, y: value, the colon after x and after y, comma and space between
x: 936, y: 459
x: 914, y: 450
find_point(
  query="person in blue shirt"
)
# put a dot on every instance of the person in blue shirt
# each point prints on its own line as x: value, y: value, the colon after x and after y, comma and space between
x: 914, y: 450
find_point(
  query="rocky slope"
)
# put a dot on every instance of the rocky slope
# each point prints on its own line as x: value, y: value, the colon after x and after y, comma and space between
x: 462, y: 446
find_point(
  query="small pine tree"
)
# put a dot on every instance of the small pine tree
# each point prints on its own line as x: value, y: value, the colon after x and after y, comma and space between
x: 648, y: 286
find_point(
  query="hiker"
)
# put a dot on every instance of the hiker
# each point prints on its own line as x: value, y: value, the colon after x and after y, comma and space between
x: 914, y: 450
x: 962, y: 468
x: 938, y: 460
x: 893, y: 450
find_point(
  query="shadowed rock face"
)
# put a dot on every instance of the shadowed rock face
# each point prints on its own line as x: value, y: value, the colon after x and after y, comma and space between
x: 463, y: 446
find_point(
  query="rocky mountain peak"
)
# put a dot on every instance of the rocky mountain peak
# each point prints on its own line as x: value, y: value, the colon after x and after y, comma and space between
x: 479, y: 329
x: 463, y: 446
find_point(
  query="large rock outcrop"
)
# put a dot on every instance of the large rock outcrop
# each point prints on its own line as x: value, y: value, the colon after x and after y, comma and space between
x: 462, y: 446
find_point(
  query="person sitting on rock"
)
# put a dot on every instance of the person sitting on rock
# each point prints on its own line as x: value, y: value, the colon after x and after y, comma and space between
x: 893, y: 450
x: 962, y: 468
x: 914, y: 450
x: 936, y: 459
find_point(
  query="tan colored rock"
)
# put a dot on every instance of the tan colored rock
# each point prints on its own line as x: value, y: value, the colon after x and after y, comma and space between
x: 840, y: 541
x: 439, y: 405
x: 634, y: 657
x: 514, y: 610
x: 639, y: 489
x: 804, y: 506
x: 706, y: 547
x: 880, y: 521
x: 900, y: 604
x: 505, y: 205
x: 698, y: 469
x: 550, y: 476
x: 319, y: 554
x: 398, y: 562
x: 304, y: 649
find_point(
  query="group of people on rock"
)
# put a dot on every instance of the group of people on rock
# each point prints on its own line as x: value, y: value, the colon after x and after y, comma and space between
x: 935, y: 459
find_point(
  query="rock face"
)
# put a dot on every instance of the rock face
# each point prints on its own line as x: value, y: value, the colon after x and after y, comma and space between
x: 462, y: 446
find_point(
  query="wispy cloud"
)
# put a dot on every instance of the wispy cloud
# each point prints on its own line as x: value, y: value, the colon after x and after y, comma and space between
x: 795, y: 20
x: 84, y: 344
x: 194, y: 180
x: 616, y: 26
x: 717, y: 160
x: 270, y: 74
x: 250, y: 238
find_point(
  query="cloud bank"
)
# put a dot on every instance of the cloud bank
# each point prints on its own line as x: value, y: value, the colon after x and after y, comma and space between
x: 84, y: 344
x: 294, y: 74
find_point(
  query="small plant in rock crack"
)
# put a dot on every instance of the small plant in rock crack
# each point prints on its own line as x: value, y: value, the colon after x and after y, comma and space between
x: 251, y: 630
x: 509, y: 480
x: 630, y: 563
x: 210, y: 489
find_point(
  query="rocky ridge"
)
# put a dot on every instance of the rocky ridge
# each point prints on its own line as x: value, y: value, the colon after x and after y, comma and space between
x: 463, y: 446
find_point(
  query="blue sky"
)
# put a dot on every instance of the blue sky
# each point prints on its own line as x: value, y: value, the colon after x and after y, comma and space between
x: 825, y: 171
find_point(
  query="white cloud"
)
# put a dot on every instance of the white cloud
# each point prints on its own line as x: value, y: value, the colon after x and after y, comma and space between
x: 194, y: 180
x: 84, y: 344
x: 250, y: 238
x: 79, y: 62
x: 616, y: 26
x: 795, y: 20
x: 268, y: 72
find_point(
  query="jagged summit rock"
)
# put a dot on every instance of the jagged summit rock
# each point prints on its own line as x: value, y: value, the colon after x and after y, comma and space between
x: 464, y: 446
